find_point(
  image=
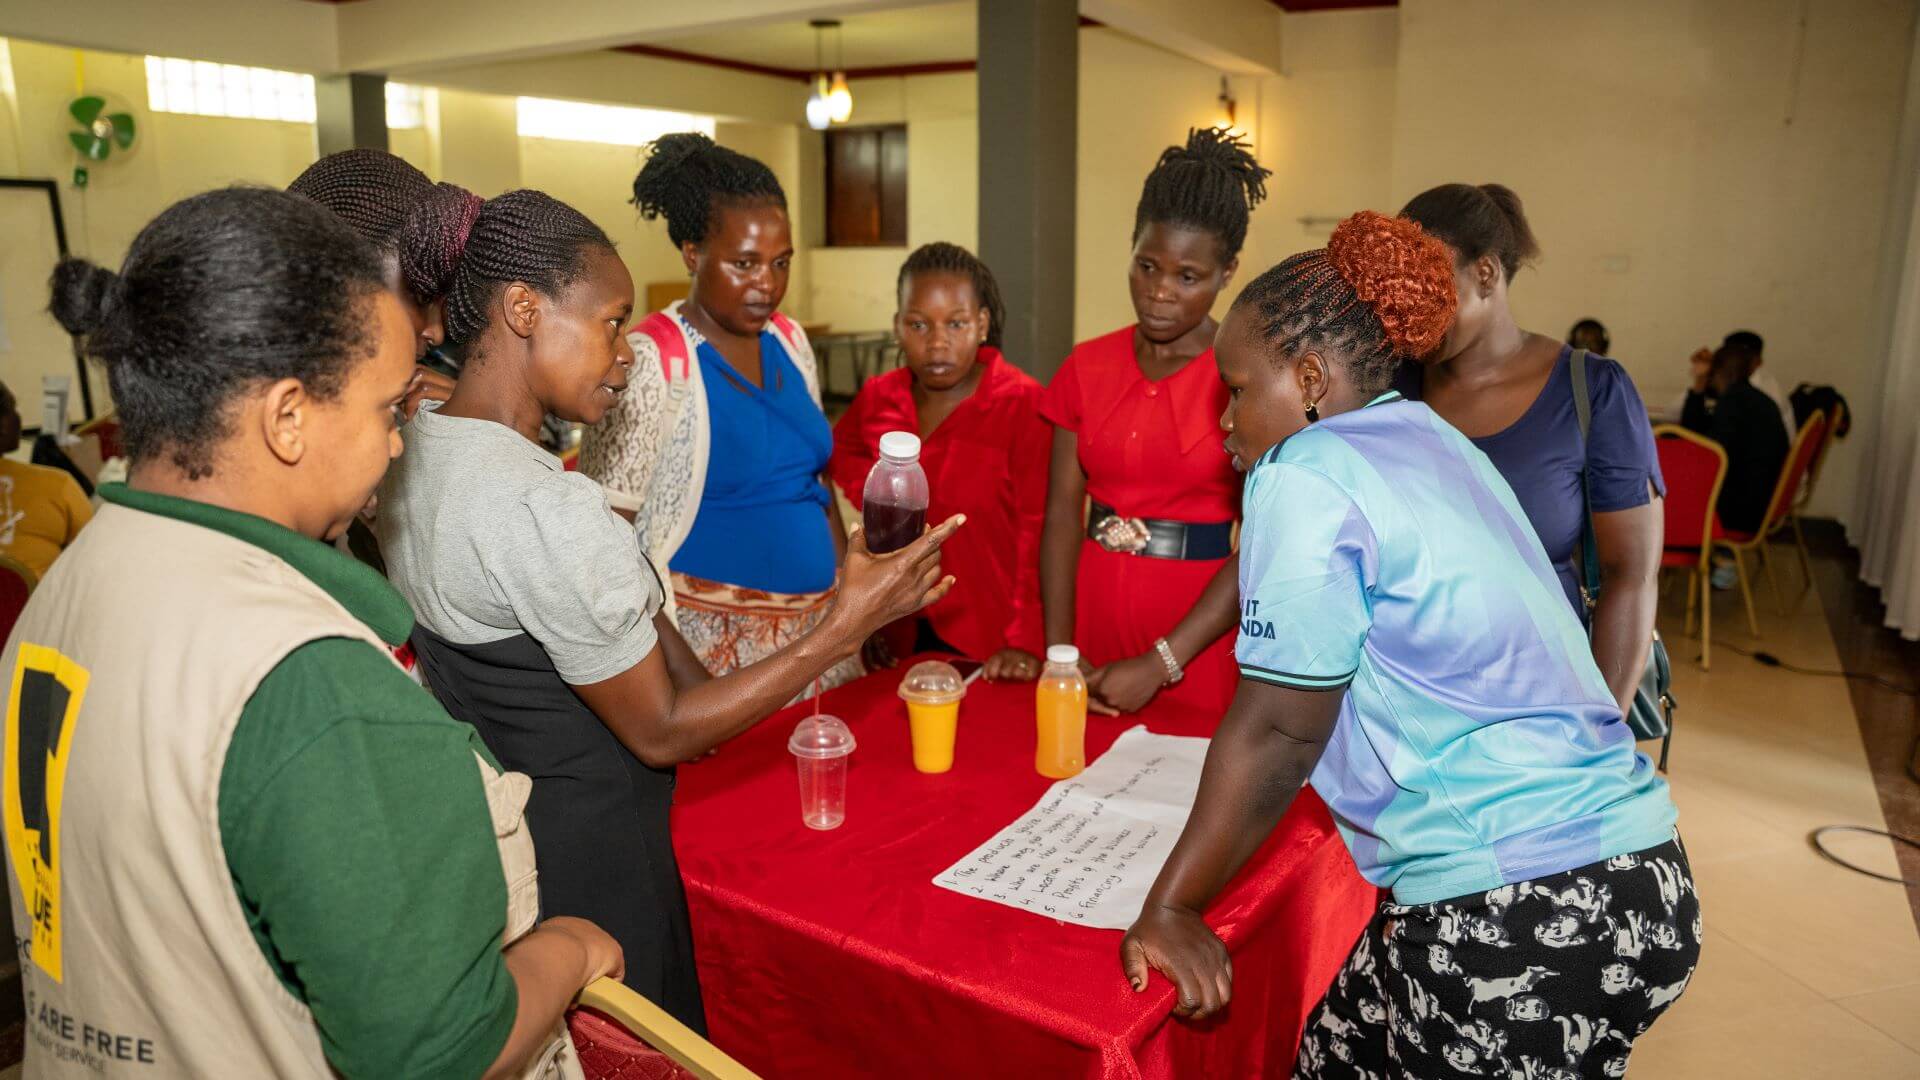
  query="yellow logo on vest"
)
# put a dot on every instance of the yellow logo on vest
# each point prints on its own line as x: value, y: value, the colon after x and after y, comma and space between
x: 41, y: 708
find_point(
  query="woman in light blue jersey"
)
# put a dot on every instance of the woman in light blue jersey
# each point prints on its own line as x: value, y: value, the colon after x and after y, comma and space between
x: 1405, y: 642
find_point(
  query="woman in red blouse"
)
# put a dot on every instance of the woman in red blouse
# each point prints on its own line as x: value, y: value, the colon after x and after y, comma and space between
x: 983, y: 445
x: 1138, y: 447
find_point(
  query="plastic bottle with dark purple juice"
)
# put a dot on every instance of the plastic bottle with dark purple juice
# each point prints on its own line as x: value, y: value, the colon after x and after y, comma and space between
x: 895, y: 498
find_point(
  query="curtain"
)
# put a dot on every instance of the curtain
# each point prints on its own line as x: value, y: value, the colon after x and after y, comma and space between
x: 1885, y: 525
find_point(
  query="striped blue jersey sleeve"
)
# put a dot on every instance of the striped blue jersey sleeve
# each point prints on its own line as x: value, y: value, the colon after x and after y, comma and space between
x: 1306, y: 557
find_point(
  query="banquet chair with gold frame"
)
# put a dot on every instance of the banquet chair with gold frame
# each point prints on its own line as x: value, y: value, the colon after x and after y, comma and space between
x: 1694, y: 467
x: 1779, y: 518
x: 649, y: 1032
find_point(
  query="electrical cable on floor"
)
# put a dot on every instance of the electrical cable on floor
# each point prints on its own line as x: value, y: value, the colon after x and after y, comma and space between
x: 1767, y: 659
x: 1814, y: 837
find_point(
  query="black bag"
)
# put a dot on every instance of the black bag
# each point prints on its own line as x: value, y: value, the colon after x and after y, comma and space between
x: 1651, y: 715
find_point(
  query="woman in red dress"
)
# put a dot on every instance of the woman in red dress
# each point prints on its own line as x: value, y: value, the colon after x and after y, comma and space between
x: 1142, y: 502
x: 983, y: 446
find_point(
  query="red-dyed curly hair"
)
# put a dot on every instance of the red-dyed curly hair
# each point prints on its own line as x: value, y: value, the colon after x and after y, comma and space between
x: 1380, y: 292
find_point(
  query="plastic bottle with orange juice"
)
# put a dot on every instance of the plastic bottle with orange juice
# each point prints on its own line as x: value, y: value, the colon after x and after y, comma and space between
x: 1060, y: 713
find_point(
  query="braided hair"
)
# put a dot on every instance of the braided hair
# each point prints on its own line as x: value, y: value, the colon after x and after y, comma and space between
x: 1476, y: 220
x: 688, y: 179
x: 1380, y: 292
x: 1211, y: 183
x: 525, y: 236
x: 944, y: 258
x: 407, y: 217
x: 223, y: 291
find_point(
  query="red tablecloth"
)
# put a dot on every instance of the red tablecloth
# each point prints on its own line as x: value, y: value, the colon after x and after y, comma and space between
x: 832, y: 954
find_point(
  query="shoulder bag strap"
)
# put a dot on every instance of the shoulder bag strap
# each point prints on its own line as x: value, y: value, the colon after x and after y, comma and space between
x: 1589, y: 546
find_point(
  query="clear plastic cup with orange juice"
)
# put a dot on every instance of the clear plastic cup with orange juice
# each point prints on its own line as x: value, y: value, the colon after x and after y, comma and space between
x: 1060, y: 714
x: 932, y: 691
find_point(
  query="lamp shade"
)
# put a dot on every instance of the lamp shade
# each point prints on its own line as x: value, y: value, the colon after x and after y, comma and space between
x: 840, y: 99
x: 819, y: 111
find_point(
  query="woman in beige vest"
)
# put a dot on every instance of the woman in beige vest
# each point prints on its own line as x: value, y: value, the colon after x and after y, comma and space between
x: 240, y: 841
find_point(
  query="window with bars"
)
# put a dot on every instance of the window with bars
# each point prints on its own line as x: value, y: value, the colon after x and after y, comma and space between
x: 201, y: 88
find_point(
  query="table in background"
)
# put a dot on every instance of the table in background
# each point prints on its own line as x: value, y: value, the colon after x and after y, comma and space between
x: 833, y: 953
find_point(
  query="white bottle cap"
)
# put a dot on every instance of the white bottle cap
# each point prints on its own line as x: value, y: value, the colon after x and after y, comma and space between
x: 900, y: 446
x: 1063, y: 654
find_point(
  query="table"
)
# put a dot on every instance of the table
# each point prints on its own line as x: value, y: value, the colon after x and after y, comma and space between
x: 832, y: 954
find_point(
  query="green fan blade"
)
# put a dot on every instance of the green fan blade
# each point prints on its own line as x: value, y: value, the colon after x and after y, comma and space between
x: 87, y: 109
x: 122, y: 128
x: 91, y: 146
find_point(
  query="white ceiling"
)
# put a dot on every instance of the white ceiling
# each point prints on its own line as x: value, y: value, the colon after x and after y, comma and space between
x: 916, y: 35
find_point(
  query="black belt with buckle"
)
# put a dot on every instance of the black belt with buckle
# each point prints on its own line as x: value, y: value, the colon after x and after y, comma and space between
x: 1156, y: 538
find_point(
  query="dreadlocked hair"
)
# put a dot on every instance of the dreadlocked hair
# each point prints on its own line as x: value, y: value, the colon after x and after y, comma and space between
x: 1380, y: 292
x: 688, y: 179
x: 405, y: 216
x: 1211, y: 183
x: 525, y: 236
x: 941, y: 257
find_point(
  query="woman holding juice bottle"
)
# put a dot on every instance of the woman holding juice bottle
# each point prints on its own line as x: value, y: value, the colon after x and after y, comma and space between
x: 1135, y: 413
x: 981, y: 439
x: 540, y: 619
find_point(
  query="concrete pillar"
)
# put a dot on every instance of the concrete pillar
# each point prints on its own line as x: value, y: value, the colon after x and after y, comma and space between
x: 1029, y: 79
x: 351, y: 112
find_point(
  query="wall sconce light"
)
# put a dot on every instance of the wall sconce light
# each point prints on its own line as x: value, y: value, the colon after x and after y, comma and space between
x: 1228, y: 107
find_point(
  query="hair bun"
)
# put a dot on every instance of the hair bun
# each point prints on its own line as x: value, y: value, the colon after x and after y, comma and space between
x: 435, y: 237
x: 84, y: 295
x: 1403, y: 274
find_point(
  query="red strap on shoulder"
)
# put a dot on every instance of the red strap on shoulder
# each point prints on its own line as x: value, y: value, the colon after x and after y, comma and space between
x: 675, y: 362
x: 787, y: 327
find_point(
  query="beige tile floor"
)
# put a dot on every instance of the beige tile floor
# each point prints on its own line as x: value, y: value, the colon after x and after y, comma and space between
x: 1808, y: 970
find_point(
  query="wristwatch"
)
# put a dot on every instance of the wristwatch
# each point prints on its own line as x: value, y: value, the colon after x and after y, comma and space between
x: 1174, y: 672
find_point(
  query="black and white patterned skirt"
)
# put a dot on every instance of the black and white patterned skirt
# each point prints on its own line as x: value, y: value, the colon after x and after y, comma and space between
x: 1550, y: 979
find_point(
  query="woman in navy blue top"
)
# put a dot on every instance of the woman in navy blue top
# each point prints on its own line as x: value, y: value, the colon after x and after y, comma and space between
x: 1511, y: 392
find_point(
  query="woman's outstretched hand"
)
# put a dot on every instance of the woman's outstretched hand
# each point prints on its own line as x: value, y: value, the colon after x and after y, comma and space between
x: 877, y: 589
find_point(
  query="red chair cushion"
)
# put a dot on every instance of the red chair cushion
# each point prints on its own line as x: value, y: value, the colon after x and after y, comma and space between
x: 1680, y: 557
x: 13, y: 600
x: 609, y: 1051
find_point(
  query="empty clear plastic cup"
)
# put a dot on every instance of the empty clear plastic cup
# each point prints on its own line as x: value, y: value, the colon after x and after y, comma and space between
x: 820, y: 745
x: 932, y: 691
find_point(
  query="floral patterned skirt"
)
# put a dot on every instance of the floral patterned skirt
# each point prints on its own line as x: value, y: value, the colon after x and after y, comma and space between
x: 731, y: 626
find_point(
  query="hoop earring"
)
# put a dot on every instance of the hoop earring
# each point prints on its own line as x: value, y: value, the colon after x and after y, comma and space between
x: 1313, y: 413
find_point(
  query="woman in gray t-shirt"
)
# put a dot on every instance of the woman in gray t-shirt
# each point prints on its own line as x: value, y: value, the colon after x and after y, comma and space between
x: 540, y: 620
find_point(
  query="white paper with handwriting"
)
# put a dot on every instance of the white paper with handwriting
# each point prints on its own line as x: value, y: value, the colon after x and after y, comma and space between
x: 1089, y: 851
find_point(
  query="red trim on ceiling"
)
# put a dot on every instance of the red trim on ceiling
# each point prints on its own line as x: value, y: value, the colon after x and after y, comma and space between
x: 1300, y: 7
x: 880, y: 71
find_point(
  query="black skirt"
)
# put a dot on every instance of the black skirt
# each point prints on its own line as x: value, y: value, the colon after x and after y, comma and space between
x: 599, y: 816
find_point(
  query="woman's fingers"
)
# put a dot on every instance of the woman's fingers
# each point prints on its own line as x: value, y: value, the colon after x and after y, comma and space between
x: 939, y: 591
x: 1133, y: 962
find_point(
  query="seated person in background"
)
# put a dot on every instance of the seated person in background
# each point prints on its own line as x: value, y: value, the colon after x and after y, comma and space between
x: 41, y: 509
x: 1591, y: 335
x: 1725, y: 407
x: 984, y: 448
x: 1752, y: 346
x: 1763, y: 382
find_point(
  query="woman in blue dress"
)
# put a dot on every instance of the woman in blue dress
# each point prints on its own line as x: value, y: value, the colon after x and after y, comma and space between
x: 719, y: 449
x: 1511, y: 391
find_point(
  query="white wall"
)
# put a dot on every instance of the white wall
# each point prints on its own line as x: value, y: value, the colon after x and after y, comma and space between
x: 1684, y: 178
